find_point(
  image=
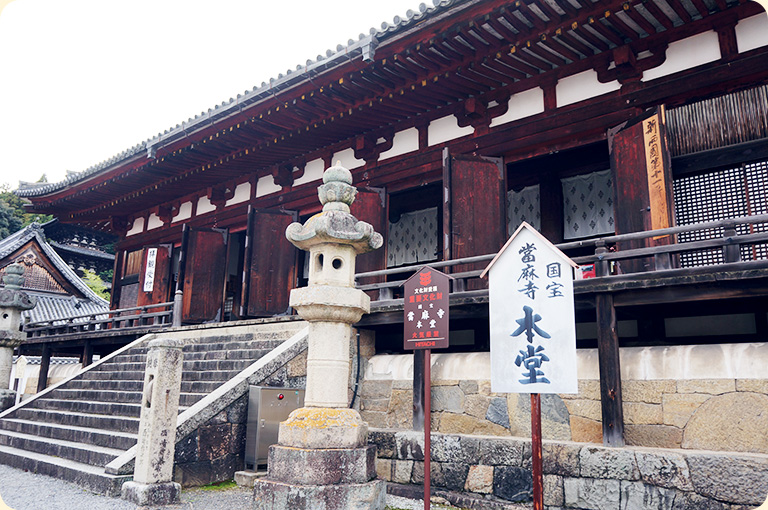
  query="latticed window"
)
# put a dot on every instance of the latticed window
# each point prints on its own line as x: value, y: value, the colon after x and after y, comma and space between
x: 720, y: 195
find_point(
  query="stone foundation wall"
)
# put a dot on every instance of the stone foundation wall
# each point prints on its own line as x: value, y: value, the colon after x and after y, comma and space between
x: 704, y: 409
x: 216, y: 449
x: 576, y: 476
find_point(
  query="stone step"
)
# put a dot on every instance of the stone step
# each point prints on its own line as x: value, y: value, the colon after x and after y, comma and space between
x: 189, y: 365
x: 114, y: 409
x: 133, y: 386
x: 126, y: 397
x: 84, y: 475
x: 109, y: 373
x: 97, y: 421
x: 79, y: 452
x: 97, y: 437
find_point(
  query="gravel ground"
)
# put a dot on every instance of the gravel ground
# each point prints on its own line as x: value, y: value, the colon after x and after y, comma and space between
x: 21, y: 490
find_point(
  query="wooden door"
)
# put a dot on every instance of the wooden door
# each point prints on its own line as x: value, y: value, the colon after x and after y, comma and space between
x: 642, y: 182
x: 270, y: 263
x: 370, y: 206
x: 474, y: 216
x: 155, y: 275
x: 204, y: 259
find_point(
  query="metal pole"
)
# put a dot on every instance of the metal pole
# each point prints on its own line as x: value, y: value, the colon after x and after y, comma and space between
x: 538, y: 480
x: 427, y: 425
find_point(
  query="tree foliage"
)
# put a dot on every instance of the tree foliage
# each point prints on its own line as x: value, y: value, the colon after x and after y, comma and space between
x: 95, y: 283
x: 13, y: 216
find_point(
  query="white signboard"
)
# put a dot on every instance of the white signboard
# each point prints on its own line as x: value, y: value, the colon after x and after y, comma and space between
x: 533, y: 328
x: 149, y: 271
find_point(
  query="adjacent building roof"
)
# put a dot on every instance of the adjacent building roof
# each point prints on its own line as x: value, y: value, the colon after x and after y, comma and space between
x: 67, y: 296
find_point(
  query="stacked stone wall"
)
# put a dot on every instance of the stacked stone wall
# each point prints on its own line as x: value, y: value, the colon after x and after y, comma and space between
x: 487, y: 471
x: 216, y: 449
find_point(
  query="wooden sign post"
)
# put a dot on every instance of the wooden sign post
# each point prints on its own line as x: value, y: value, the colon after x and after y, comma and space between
x: 426, y: 328
x: 533, y: 328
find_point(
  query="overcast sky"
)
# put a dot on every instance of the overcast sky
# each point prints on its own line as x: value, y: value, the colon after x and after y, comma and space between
x: 82, y: 80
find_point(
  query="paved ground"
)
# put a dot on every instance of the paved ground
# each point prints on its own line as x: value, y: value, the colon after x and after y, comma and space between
x: 21, y: 490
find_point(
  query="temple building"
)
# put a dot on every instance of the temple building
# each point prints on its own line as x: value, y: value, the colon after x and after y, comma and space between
x: 631, y: 134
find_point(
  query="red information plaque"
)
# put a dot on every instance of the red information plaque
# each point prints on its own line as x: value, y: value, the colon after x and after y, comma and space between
x: 426, y: 310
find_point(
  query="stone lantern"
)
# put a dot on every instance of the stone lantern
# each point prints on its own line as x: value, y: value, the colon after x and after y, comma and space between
x: 13, y: 301
x: 322, y: 460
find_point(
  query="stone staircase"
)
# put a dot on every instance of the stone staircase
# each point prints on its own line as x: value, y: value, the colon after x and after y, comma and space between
x: 73, y: 430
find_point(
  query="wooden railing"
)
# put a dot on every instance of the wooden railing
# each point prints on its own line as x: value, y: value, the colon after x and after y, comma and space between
x: 605, y: 252
x: 156, y: 315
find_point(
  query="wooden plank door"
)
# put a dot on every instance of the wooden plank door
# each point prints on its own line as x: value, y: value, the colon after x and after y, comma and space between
x: 155, y: 275
x: 370, y: 206
x: 204, y: 259
x: 474, y: 215
x: 642, y: 181
x: 270, y: 263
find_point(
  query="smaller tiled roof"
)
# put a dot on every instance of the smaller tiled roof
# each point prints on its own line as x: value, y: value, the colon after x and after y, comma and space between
x: 93, y: 302
x: 55, y: 360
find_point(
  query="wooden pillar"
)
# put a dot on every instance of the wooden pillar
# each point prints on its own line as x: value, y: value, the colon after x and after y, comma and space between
x: 87, y: 357
x: 610, y: 371
x: 418, y: 390
x: 551, y: 200
x: 45, y: 361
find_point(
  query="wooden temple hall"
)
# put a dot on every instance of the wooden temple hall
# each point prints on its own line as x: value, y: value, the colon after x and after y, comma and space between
x: 633, y: 134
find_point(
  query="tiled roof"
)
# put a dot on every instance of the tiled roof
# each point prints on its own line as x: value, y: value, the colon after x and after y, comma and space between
x: 50, y: 307
x: 322, y: 63
x: 35, y: 231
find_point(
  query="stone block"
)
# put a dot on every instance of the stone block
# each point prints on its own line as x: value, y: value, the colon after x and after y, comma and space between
x: 584, y: 430
x: 374, y: 404
x: 376, y: 389
x: 247, y: 478
x: 403, y: 469
x: 447, y: 398
x: 297, y: 367
x: 384, y: 441
x: 585, y: 408
x: 214, y: 441
x: 752, y: 385
x: 186, y: 450
x: 238, y: 411
x: 497, y: 412
x: 323, y: 428
x: 664, y: 469
x: 449, y: 475
x: 650, y: 392
x: 454, y: 448
x: 555, y: 416
x: 591, y: 494
x: 500, y: 452
x: 451, y: 423
x: 611, y: 463
x: 653, y: 436
x: 638, y: 413
x: 152, y: 494
x: 402, y: 384
x: 409, y: 445
x: 479, y: 479
x: 639, y: 496
x: 731, y: 422
x: 740, y: 480
x: 7, y: 399
x: 468, y: 387
x: 512, y: 483
x: 678, y: 408
x: 561, y: 458
x: 385, y: 469
x: 692, y: 501
x: 400, y: 412
x: 706, y: 386
x: 553, y: 490
x: 445, y: 382
x: 376, y: 419
x: 269, y: 495
x: 237, y: 439
x: 322, y: 466
x: 477, y: 406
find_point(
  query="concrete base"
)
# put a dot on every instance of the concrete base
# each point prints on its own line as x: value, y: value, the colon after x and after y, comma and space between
x: 248, y: 478
x: 143, y: 494
x: 323, y: 428
x: 272, y: 495
x: 322, y: 467
x: 7, y: 399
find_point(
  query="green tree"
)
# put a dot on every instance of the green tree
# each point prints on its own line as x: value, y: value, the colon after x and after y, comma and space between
x: 16, y: 204
x: 9, y: 221
x: 95, y: 283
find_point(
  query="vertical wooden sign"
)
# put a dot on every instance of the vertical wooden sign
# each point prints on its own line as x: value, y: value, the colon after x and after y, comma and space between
x: 654, y: 164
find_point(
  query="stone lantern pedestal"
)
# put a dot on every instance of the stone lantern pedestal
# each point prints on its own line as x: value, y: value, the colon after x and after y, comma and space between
x: 13, y: 301
x: 322, y: 460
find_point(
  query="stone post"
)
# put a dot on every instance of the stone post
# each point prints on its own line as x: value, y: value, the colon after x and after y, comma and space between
x: 322, y: 460
x: 155, y: 449
x: 13, y: 301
